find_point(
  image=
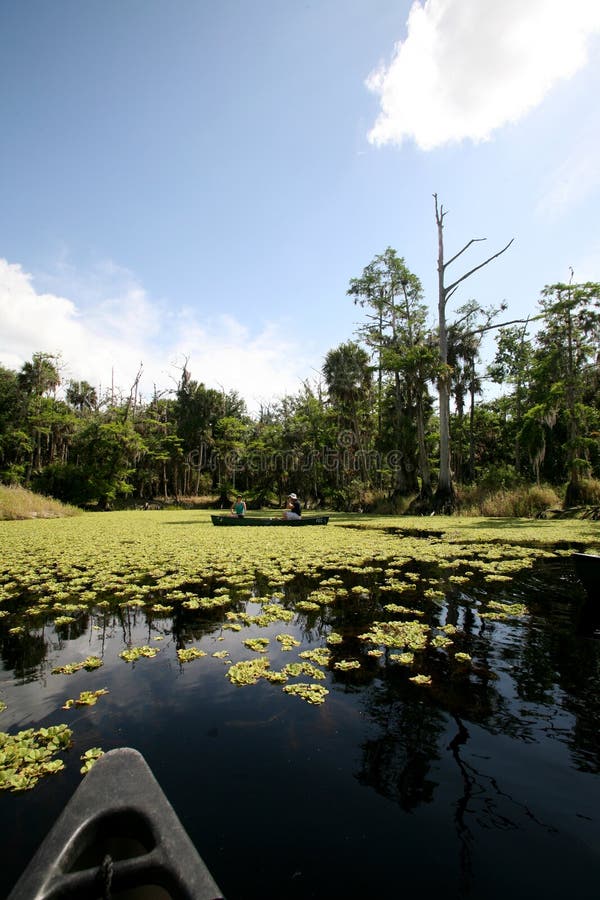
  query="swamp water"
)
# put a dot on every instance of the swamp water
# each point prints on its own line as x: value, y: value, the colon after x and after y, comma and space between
x: 446, y: 742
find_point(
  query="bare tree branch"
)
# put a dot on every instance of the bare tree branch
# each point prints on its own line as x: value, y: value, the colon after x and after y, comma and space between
x: 476, y: 269
x: 466, y: 247
x: 504, y: 324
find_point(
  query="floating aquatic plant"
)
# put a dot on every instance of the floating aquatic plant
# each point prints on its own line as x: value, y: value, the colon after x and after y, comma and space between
x: 259, y: 645
x: 405, y: 659
x: 319, y: 655
x: 345, y: 665
x: 29, y: 755
x: 287, y: 641
x: 501, y: 611
x: 248, y: 671
x: 161, y: 609
x: 404, y: 610
x: 89, y: 663
x: 86, y: 698
x: 334, y: 638
x: 440, y: 642
x: 295, y: 669
x: 136, y: 652
x: 188, y: 654
x: 462, y: 657
x: 89, y: 758
x: 421, y: 679
x: 311, y: 693
x: 412, y: 635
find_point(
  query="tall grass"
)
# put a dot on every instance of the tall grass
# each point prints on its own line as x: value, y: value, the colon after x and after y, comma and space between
x: 521, y: 502
x: 589, y: 491
x: 18, y: 503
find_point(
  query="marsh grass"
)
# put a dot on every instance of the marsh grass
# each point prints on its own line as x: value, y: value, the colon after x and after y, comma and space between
x: 589, y: 491
x: 519, y: 502
x: 18, y: 503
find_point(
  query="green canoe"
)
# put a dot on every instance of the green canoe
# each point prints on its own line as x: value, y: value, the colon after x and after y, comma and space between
x: 256, y: 520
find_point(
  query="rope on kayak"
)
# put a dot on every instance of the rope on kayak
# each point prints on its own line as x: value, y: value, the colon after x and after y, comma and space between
x: 105, y: 874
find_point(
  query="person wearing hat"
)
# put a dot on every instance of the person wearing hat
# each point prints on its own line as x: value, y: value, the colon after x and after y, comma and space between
x: 292, y: 509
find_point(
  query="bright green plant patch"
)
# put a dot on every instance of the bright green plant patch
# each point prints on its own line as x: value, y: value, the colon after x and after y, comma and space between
x: 90, y: 757
x: 137, y: 652
x: 29, y: 755
x: 86, y: 698
x: 188, y: 654
x: 311, y: 693
x: 89, y: 663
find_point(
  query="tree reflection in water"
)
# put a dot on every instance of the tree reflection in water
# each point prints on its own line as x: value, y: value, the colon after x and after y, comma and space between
x: 533, y: 682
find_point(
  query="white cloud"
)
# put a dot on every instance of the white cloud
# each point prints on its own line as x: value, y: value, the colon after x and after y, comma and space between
x: 468, y: 67
x: 119, y: 327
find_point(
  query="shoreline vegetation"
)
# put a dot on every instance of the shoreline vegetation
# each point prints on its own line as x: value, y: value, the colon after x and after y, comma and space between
x: 19, y: 503
x: 367, y: 435
x: 563, y: 530
x: 527, y: 502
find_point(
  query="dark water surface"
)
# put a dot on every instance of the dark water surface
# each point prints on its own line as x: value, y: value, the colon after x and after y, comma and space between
x: 485, y: 784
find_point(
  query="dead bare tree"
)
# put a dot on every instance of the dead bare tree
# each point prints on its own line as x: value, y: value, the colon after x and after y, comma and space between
x: 444, y: 500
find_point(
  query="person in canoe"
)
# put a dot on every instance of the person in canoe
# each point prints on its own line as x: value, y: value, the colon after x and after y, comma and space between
x: 292, y: 508
x: 239, y: 508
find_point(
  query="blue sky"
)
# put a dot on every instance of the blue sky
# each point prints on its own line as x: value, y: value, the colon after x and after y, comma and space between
x: 186, y: 179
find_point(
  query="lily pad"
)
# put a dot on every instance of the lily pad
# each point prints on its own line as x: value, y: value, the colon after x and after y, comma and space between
x: 29, y: 755
x: 311, y: 693
x: 86, y: 698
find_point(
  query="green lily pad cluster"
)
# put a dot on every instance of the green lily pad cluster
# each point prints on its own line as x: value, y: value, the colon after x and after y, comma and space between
x: 30, y: 755
x: 319, y: 655
x: 287, y: 641
x: 295, y: 669
x: 259, y: 645
x: 137, y: 652
x: 409, y: 635
x: 86, y: 698
x: 190, y: 653
x: 311, y: 693
x: 499, y: 612
x: 421, y: 679
x: 248, y: 671
x: 89, y: 758
x: 89, y: 663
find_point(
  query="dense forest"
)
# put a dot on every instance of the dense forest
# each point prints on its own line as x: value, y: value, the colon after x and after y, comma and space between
x: 395, y: 422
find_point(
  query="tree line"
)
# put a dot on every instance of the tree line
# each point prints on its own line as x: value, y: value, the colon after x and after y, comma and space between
x: 397, y: 412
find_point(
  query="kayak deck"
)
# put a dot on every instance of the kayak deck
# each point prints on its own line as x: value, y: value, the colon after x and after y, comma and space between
x: 118, y: 833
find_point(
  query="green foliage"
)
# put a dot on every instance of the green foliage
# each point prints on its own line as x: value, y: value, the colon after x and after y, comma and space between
x: 29, y: 755
x: 90, y: 663
x: 135, y: 653
x: 310, y: 693
x: 190, y: 653
x: 89, y: 758
x: 86, y: 698
x: 367, y: 442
